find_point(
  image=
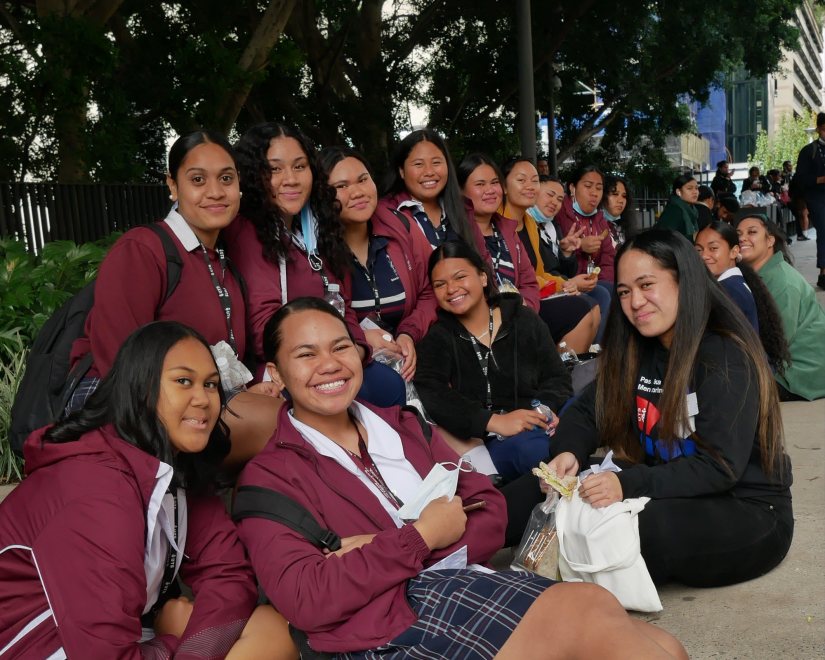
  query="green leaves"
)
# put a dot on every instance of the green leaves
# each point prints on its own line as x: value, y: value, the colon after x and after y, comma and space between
x: 32, y: 288
x: 12, y: 366
x: 785, y: 144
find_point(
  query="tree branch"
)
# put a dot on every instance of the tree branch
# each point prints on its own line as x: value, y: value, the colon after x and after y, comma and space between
x: 254, y: 58
x: 14, y: 26
x: 409, y: 44
x: 591, y: 126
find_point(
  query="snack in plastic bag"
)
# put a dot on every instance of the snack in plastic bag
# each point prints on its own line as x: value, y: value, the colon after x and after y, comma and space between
x: 507, y: 286
x: 538, y: 551
x: 383, y: 356
x: 234, y: 374
x: 564, y: 485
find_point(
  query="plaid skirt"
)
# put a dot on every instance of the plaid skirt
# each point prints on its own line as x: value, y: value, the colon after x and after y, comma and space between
x: 82, y: 392
x: 462, y: 615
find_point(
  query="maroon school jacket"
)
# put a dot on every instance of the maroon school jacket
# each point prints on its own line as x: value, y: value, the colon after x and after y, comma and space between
x: 410, y: 259
x: 595, y: 224
x: 357, y: 601
x: 392, y: 202
x: 526, y: 282
x: 263, y: 284
x: 129, y: 290
x: 72, y: 542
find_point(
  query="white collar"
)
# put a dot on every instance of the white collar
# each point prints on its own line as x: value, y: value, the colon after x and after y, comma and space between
x: 418, y: 206
x: 182, y: 230
x: 730, y: 272
x: 384, y: 440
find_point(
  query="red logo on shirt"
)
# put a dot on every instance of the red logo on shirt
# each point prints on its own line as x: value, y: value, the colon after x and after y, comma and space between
x: 647, y: 415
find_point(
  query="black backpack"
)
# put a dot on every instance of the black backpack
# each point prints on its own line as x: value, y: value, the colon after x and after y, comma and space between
x: 260, y: 502
x: 49, y: 382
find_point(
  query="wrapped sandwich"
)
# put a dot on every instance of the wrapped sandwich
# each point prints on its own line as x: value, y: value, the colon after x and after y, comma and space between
x: 564, y: 485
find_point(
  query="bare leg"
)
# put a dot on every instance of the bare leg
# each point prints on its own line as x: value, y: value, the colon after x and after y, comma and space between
x: 265, y: 637
x: 580, y: 337
x: 458, y: 445
x: 663, y: 638
x: 596, y: 313
x: 251, y: 427
x: 578, y: 621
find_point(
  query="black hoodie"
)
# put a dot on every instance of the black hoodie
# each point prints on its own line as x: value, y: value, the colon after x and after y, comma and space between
x: 527, y: 366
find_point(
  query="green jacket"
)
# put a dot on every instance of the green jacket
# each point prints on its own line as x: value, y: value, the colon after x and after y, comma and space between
x: 804, y: 322
x: 681, y: 216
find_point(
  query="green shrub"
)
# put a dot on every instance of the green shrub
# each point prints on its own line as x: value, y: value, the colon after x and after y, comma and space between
x: 33, y: 287
x: 11, y: 373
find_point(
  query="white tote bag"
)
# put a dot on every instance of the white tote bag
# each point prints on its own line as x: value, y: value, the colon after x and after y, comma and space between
x: 602, y: 546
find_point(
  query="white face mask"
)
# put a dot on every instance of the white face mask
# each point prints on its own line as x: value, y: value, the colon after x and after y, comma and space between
x: 438, y: 483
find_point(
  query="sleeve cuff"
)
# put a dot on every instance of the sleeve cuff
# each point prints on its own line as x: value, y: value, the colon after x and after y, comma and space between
x: 478, y: 427
x: 632, y: 483
x: 411, y: 539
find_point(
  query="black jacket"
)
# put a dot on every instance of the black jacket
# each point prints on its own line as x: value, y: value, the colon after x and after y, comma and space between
x: 810, y: 165
x: 726, y: 423
x: 451, y: 384
x: 722, y: 184
x: 764, y: 184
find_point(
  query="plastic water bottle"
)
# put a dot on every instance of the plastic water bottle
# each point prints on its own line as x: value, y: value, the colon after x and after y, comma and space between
x: 539, y: 407
x: 333, y: 297
x: 568, y: 355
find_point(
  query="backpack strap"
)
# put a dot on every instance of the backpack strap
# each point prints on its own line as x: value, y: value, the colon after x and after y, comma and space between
x: 426, y: 429
x: 403, y: 218
x: 174, y: 264
x: 260, y: 502
x: 75, y: 376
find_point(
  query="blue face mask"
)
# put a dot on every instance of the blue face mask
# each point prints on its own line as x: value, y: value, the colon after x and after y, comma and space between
x: 538, y: 216
x: 610, y: 216
x: 578, y: 209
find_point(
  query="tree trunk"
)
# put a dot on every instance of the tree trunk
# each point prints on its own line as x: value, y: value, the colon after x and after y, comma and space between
x: 254, y: 58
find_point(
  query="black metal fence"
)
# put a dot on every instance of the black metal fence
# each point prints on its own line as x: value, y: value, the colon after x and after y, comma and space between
x: 38, y: 213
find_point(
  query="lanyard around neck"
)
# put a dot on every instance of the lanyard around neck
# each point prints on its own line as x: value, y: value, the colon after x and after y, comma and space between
x: 497, y: 260
x: 369, y: 468
x: 484, y: 360
x: 315, y: 261
x: 222, y: 291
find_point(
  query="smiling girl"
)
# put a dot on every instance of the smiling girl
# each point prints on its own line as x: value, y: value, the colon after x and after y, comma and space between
x: 763, y: 246
x: 118, y: 503
x: 390, y: 287
x: 421, y: 183
x: 581, y: 210
x: 685, y: 398
x: 288, y: 242
x: 384, y: 595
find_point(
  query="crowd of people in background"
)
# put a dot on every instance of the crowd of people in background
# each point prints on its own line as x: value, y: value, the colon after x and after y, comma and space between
x: 480, y: 287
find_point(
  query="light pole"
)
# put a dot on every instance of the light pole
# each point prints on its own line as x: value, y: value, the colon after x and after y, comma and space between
x: 555, y: 85
x: 527, y: 99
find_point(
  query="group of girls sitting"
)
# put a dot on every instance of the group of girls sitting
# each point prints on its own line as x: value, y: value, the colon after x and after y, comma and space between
x: 122, y: 495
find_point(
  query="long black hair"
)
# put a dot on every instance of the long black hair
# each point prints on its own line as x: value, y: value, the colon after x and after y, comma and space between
x: 128, y: 398
x: 451, y: 197
x: 331, y: 156
x: 626, y: 219
x: 470, y: 163
x: 578, y: 174
x: 458, y: 250
x: 771, y: 332
x: 780, y: 240
x: 185, y: 143
x: 507, y: 167
x: 703, y: 307
x: 273, y: 337
x: 254, y: 173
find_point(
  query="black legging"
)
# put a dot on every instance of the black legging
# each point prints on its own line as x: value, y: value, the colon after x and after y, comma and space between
x: 716, y: 540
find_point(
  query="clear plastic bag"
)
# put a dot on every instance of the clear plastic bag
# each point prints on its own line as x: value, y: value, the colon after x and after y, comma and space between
x: 383, y: 356
x: 538, y: 551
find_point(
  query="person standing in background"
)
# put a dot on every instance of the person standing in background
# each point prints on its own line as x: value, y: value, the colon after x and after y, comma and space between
x: 707, y: 202
x: 810, y: 171
x: 722, y: 182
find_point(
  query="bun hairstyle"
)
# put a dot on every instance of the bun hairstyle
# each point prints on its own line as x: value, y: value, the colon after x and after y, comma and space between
x: 185, y: 143
x: 680, y: 182
x: 254, y: 172
x: 780, y: 243
x: 771, y: 331
x: 578, y: 175
x: 127, y: 397
x: 458, y: 250
x: 331, y: 156
x: 451, y: 198
x: 273, y: 337
x: 704, y: 307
